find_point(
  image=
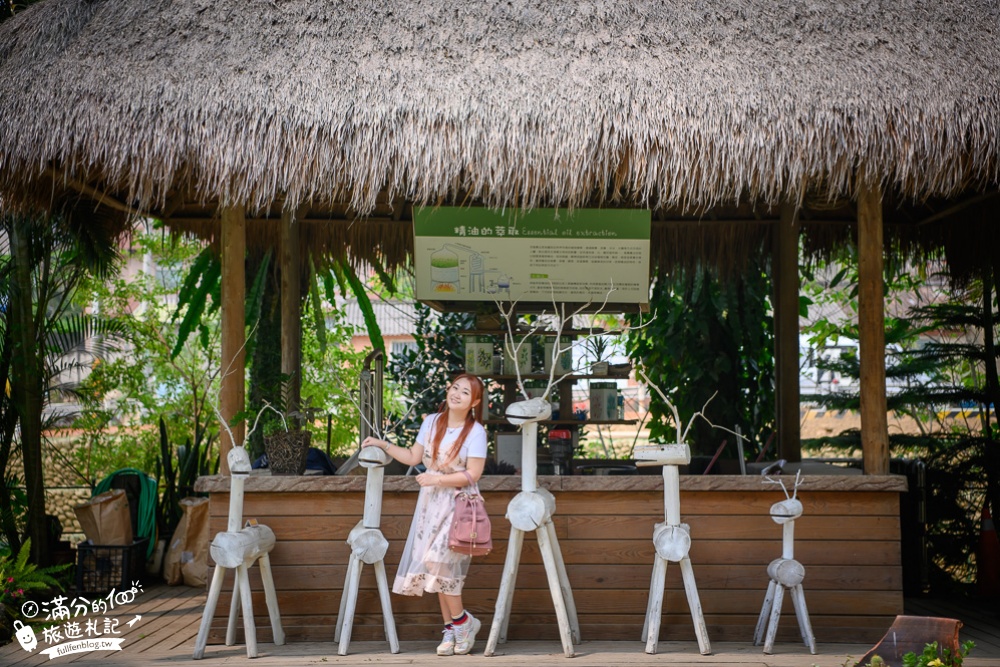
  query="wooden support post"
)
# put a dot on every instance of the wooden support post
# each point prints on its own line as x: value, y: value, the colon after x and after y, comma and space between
x: 871, y: 331
x: 291, y: 308
x: 785, y: 273
x: 233, y: 360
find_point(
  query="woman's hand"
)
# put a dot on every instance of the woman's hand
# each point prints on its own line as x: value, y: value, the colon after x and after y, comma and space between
x: 372, y: 441
x: 428, y: 479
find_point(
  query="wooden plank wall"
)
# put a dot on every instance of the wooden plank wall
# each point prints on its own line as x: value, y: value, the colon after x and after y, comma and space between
x: 847, y: 540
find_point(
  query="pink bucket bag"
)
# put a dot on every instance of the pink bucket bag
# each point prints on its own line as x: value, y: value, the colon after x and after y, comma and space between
x: 470, y: 526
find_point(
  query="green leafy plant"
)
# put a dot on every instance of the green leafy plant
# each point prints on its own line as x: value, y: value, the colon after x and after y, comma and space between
x: 43, y: 262
x: 706, y: 337
x: 941, y: 354
x: 424, y: 373
x: 149, y: 382
x: 20, y: 580
x: 176, y: 480
x: 931, y: 656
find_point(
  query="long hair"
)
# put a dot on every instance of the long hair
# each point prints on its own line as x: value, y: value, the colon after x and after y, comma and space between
x: 472, y: 418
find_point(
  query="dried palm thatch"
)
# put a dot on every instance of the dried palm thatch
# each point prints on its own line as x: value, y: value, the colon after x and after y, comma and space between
x: 666, y: 104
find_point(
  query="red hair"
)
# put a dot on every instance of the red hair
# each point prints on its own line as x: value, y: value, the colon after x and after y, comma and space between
x: 472, y: 418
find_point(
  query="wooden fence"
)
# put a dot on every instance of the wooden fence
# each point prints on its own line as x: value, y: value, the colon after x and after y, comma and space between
x: 848, y: 539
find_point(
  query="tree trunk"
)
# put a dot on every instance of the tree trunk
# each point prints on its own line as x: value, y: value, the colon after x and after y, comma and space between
x: 28, y: 379
x: 291, y: 311
x: 265, y: 366
x: 8, y: 424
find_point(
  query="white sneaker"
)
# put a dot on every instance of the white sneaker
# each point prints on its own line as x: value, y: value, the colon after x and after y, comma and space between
x: 465, y: 634
x: 447, y: 645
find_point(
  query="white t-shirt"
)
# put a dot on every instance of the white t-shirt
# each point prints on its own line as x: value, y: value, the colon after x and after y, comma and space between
x: 475, y: 445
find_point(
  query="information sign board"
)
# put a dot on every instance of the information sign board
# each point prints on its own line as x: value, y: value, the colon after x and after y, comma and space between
x: 541, y: 256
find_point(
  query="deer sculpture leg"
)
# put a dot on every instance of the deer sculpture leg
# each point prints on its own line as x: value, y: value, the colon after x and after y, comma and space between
x: 271, y: 599
x: 352, y: 564
x: 237, y: 549
x: 345, y: 625
x: 531, y: 511
x: 234, y: 611
x: 368, y: 546
x: 249, y: 629
x: 672, y: 540
x: 214, y: 591
x: 654, y: 606
x: 567, y: 591
x: 505, y: 596
x: 802, y: 614
x: 765, y: 613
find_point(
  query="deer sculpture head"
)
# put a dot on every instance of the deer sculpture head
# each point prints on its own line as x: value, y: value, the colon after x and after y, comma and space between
x: 239, y: 461
x: 789, y: 509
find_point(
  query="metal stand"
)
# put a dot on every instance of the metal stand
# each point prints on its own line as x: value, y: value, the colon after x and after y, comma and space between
x: 531, y: 511
x: 237, y: 550
x: 672, y: 540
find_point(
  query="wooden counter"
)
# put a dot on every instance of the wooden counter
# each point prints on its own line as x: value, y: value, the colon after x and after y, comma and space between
x: 848, y: 540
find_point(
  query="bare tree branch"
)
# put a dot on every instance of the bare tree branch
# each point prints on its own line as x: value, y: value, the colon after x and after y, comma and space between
x: 682, y: 437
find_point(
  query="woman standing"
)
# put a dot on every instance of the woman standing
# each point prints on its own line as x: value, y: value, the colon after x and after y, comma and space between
x: 452, y: 446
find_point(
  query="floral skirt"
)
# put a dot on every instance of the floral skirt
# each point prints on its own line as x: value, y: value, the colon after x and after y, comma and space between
x: 428, y: 565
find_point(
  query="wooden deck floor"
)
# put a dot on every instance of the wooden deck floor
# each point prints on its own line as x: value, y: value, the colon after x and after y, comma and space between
x: 169, y: 618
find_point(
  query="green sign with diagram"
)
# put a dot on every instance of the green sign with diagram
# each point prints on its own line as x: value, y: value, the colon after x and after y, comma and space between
x: 544, y: 255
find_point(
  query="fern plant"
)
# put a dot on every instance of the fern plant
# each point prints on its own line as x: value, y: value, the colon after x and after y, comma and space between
x: 20, y: 580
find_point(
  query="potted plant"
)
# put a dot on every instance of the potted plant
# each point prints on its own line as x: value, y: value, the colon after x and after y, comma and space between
x: 287, y: 442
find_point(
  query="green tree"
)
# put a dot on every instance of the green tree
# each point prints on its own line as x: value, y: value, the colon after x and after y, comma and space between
x: 43, y: 263
x: 424, y: 373
x: 147, y: 381
x: 706, y: 337
x: 331, y: 376
x: 941, y: 354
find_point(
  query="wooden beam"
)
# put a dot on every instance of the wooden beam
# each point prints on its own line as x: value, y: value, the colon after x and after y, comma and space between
x: 957, y: 208
x: 291, y: 309
x: 785, y: 274
x: 871, y: 331
x: 102, y: 198
x: 232, y: 399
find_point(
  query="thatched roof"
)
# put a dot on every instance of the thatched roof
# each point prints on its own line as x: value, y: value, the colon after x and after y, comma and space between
x: 365, y: 108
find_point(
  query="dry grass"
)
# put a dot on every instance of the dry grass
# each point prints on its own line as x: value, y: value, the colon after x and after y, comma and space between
x: 523, y: 104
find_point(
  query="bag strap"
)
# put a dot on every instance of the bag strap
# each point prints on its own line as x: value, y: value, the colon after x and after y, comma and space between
x: 472, y: 488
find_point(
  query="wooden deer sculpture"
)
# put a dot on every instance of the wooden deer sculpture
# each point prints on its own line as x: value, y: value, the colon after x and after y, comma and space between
x: 672, y: 539
x: 238, y: 549
x: 368, y: 544
x: 785, y: 572
x: 531, y: 510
